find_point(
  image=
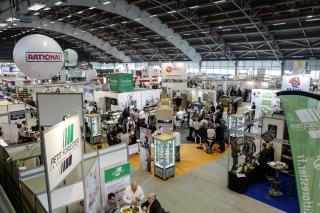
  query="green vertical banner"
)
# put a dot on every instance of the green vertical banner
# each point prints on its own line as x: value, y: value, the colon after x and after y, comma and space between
x: 302, y: 111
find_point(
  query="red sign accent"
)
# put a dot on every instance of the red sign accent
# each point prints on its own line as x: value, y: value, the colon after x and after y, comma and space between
x: 43, y: 57
x: 169, y: 69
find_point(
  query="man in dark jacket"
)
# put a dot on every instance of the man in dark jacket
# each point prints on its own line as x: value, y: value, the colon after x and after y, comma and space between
x: 152, y: 205
x: 220, y: 136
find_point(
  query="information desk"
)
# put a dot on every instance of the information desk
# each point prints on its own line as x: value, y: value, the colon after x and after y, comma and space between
x: 240, y: 183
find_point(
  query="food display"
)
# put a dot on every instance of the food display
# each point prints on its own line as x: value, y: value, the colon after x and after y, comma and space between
x: 130, y: 209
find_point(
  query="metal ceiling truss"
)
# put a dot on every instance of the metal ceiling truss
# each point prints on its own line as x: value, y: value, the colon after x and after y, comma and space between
x: 269, y: 38
x: 77, y: 33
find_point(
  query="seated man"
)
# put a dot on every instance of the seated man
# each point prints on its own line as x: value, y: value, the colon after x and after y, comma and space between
x: 23, y: 136
x: 111, y: 205
x: 152, y: 205
x: 133, y: 194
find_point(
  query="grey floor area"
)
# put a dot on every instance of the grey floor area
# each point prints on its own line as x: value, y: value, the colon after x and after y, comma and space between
x: 202, y: 190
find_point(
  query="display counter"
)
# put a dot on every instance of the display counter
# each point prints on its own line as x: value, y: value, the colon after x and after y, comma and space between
x: 164, y: 156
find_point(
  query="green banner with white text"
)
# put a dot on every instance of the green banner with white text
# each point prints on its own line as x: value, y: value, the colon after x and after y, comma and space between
x: 302, y: 111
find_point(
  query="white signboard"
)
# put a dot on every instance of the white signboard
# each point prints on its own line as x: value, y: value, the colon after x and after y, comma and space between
x: 177, y: 68
x: 295, y: 83
x: 92, y: 197
x: 63, y: 149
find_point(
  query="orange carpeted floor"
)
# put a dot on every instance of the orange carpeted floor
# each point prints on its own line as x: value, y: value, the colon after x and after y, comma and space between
x: 191, y: 158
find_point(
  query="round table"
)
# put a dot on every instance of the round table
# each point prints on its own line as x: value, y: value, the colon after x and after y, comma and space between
x: 274, y: 190
x: 128, y: 209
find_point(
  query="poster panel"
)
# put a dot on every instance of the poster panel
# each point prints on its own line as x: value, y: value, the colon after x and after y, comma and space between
x: 177, y: 68
x: 92, y: 197
x: 265, y: 100
x: 62, y: 144
x: 299, y: 67
x: 303, y: 120
x: 116, y: 180
x: 295, y: 83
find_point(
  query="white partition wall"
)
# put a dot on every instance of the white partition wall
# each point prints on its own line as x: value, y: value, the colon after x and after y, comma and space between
x: 53, y: 107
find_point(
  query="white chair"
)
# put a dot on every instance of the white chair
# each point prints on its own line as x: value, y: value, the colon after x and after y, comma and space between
x: 211, y: 137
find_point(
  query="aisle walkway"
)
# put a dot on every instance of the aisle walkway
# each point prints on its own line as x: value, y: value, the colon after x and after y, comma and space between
x: 202, y: 190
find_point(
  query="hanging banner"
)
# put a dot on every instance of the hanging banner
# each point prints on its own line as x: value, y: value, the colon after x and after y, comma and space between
x: 92, y: 197
x: 295, y: 83
x: 116, y: 180
x: 63, y: 149
x: 303, y: 120
x: 299, y: 67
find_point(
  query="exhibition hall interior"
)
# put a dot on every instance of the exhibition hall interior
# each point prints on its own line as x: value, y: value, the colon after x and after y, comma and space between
x: 160, y: 106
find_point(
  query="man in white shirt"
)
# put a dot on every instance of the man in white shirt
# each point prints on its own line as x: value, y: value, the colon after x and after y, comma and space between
x: 204, y: 122
x: 133, y: 194
x: 176, y: 134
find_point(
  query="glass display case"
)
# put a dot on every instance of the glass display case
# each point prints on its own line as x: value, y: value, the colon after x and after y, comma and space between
x: 93, y: 123
x: 235, y: 121
x: 164, y: 156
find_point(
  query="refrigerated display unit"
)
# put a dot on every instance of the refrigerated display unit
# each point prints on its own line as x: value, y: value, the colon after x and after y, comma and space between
x: 164, y: 156
x: 235, y: 121
x: 93, y: 121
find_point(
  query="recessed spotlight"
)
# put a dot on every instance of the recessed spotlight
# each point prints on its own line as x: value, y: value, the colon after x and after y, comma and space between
x: 12, y: 19
x: 36, y: 7
x: 315, y: 19
x: 194, y: 7
x: 281, y: 23
x: 58, y: 3
x: 172, y: 11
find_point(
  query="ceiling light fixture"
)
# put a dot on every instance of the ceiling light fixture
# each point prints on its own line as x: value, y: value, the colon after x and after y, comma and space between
x: 102, y: 27
x: 124, y: 22
x: 79, y: 12
x: 14, y: 24
x: 58, y: 3
x: 36, y: 14
x: 221, y: 1
x: 153, y: 15
x: 52, y: 22
x: 91, y: 8
x: 137, y: 19
x: 226, y: 29
x: 69, y: 16
x: 204, y: 32
x: 60, y: 19
x: 3, y: 24
x: 45, y: 25
x: 194, y: 7
x: 172, y: 11
x: 281, y: 23
x: 250, y: 27
x: 36, y: 7
x: 106, y: 2
x: 220, y: 27
x: 309, y: 16
x: 186, y: 34
x: 47, y: 8
x: 12, y: 19
x: 315, y: 19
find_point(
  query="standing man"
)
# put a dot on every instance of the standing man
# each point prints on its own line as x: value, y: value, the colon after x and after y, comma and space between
x: 191, y: 128
x: 235, y: 150
x: 133, y: 194
x: 111, y: 205
x: 220, y: 135
x: 176, y: 134
x: 152, y: 205
x: 253, y: 108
